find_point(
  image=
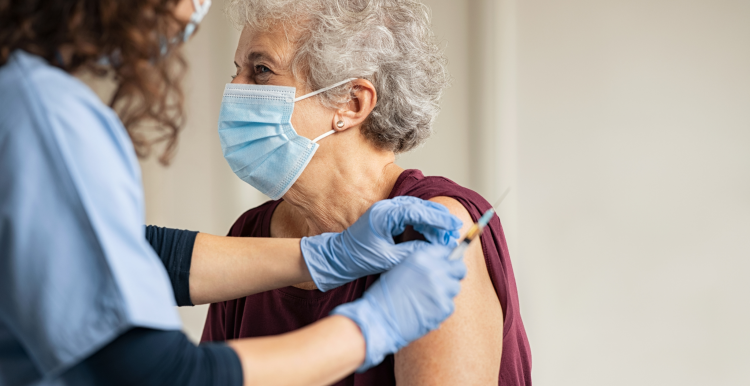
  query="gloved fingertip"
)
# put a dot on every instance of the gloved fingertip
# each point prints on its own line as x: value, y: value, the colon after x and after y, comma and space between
x: 439, y: 236
x: 456, y: 222
x: 454, y: 288
x: 449, y: 309
x: 458, y: 269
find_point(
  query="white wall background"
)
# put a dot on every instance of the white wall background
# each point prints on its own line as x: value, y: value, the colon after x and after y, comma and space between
x: 634, y: 176
x: 623, y: 128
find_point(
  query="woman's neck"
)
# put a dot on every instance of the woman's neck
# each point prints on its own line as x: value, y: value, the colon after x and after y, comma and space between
x: 332, y: 194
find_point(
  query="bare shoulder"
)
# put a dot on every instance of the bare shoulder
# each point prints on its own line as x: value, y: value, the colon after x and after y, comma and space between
x: 456, y: 209
x: 467, y: 348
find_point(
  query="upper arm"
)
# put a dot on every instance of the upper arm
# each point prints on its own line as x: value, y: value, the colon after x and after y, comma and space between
x: 467, y: 348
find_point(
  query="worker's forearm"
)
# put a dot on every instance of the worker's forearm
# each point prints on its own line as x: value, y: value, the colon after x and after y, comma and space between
x: 226, y: 268
x: 316, y: 355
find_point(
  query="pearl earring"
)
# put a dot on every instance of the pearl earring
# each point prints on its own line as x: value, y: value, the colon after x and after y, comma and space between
x: 340, y: 124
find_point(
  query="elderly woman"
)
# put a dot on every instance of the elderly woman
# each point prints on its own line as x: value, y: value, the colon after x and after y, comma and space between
x: 379, y: 77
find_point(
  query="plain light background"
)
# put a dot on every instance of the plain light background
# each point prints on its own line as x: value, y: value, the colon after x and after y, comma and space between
x: 623, y: 128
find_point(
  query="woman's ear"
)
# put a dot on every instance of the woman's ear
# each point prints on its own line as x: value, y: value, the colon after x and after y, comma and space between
x: 355, y: 112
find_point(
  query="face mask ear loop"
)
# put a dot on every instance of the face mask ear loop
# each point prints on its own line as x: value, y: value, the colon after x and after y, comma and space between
x: 309, y: 145
x: 323, y: 89
x: 316, y: 93
x: 200, y: 11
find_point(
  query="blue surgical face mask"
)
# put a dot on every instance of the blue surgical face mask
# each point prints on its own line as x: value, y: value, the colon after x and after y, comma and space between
x: 257, y: 137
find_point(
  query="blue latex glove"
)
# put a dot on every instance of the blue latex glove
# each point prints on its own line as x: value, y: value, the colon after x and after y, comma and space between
x: 406, y: 302
x: 367, y: 247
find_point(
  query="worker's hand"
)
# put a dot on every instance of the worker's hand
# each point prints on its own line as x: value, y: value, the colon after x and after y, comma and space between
x: 406, y: 302
x: 367, y: 247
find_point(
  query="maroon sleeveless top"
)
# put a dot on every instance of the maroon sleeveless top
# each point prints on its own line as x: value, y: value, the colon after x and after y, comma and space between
x: 287, y: 309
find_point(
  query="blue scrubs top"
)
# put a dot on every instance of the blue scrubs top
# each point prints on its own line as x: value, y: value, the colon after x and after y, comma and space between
x: 75, y: 268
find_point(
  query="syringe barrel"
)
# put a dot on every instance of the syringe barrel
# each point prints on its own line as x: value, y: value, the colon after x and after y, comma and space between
x: 459, y: 250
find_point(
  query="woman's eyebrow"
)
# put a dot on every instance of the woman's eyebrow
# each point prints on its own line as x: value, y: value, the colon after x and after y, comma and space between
x: 259, y: 55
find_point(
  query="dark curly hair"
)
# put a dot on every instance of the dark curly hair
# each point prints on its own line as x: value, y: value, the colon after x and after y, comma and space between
x: 131, y: 34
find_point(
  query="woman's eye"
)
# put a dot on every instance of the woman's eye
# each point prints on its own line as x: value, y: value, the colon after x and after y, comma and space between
x: 260, y: 69
x: 233, y: 76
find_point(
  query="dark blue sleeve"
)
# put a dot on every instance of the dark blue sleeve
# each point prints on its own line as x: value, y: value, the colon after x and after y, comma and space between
x: 148, y: 357
x: 175, y: 249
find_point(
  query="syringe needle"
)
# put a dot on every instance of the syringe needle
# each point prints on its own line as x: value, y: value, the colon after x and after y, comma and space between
x: 500, y: 201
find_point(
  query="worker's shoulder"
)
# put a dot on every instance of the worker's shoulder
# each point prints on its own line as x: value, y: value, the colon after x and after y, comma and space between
x: 32, y: 90
x: 25, y: 74
x: 52, y: 117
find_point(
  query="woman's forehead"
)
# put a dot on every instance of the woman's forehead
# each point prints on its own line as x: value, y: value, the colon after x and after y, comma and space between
x: 271, y: 45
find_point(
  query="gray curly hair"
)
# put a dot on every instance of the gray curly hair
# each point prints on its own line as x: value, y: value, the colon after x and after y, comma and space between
x: 388, y: 42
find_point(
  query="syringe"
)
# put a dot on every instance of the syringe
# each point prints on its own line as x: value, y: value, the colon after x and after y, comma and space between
x: 473, y: 233
x: 476, y: 230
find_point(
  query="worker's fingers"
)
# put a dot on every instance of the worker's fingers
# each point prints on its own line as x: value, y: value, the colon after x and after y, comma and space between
x: 457, y: 268
x: 438, y: 236
x: 431, y: 219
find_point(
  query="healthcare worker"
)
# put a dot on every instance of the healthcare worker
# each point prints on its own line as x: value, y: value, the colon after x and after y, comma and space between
x: 85, y: 300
